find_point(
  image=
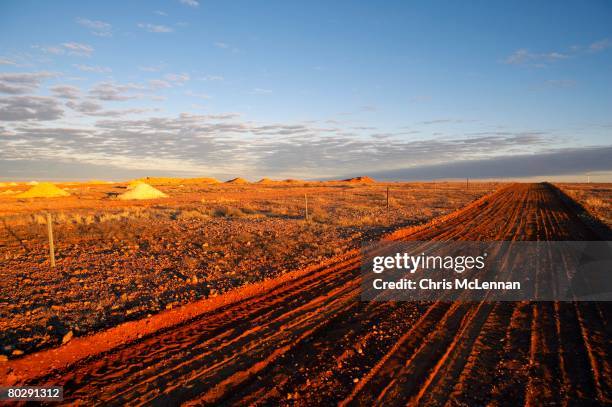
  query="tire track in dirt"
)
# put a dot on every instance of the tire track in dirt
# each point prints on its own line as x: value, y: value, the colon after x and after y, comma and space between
x: 312, y: 341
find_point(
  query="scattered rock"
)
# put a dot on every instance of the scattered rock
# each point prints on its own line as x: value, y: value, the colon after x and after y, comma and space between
x: 67, y: 338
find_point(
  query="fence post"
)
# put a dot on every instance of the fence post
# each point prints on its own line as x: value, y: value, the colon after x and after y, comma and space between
x: 51, y: 245
x: 388, y: 209
x: 306, y: 206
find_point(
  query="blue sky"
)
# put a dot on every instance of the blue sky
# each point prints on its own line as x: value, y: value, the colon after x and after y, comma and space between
x: 302, y: 89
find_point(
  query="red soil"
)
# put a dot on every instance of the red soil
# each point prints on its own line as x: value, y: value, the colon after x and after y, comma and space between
x: 306, y: 338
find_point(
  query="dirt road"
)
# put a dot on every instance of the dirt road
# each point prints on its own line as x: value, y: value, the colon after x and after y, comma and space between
x: 312, y: 341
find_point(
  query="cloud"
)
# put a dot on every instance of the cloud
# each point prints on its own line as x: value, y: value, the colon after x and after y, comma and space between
x: 600, y: 45
x: 202, y: 143
x: 91, y: 108
x: 442, y: 121
x: 190, y: 3
x: 51, y: 49
x: 66, y: 91
x: 91, y: 68
x: 161, y: 13
x: 197, y: 95
x: 29, y: 108
x: 525, y: 57
x: 211, y: 78
x: 152, y: 68
x: 6, y: 61
x: 159, y: 84
x: 75, y: 48
x: 49, y: 168
x: 225, y: 45
x: 86, y: 106
x: 155, y: 28
x: 99, y: 28
x: 518, y: 57
x: 550, y: 163
x: 261, y: 91
x: 177, y: 77
x: 122, y: 112
x: 69, y: 48
x: 170, y: 80
x: 20, y: 83
x: 110, y: 91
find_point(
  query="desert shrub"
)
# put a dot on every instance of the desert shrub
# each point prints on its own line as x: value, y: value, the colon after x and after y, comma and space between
x: 596, y: 202
x: 226, y: 211
x: 248, y: 209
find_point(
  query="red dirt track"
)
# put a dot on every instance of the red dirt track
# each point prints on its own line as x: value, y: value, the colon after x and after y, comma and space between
x: 311, y: 341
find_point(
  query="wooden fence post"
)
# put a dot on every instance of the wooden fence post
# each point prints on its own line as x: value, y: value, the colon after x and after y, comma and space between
x: 388, y: 208
x: 51, y: 245
x: 306, y: 206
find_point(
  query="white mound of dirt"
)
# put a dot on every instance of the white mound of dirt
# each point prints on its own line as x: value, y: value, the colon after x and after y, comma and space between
x: 142, y: 191
x: 43, y: 190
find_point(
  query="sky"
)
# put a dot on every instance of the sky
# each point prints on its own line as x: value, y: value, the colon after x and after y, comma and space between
x: 306, y: 89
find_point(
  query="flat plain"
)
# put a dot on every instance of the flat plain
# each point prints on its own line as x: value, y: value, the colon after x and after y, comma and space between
x: 120, y: 260
x: 301, y: 335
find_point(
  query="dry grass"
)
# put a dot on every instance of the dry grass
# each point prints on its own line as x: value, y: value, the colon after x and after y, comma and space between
x: 595, y: 198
